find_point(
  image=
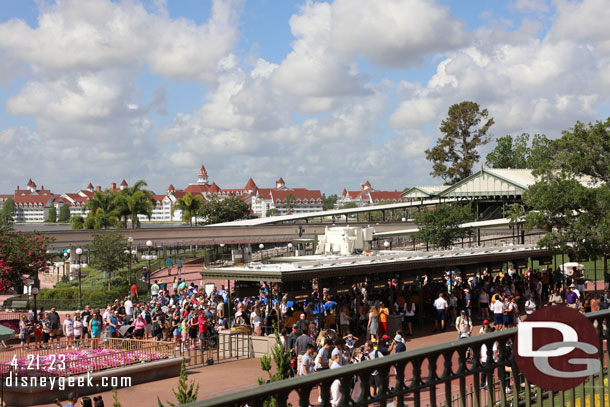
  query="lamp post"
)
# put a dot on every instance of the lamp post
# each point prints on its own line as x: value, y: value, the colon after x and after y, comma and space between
x: 386, y: 244
x: 65, y: 258
x: 78, y: 266
x: 129, y: 253
x: 289, y: 247
x: 149, y: 244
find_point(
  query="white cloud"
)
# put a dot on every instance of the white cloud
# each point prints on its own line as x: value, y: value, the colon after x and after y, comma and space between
x: 97, y: 34
x: 531, y: 6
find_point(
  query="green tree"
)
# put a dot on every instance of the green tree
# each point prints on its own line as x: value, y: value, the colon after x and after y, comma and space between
x: 8, y: 212
x: 107, y: 249
x: 224, y: 210
x: 22, y: 255
x: 329, y: 201
x: 516, y: 216
x: 440, y: 227
x: 133, y: 201
x: 103, y: 211
x: 455, y: 154
x: 272, y: 212
x: 289, y: 202
x: 52, y: 218
x: 349, y: 205
x: 189, y: 205
x: 572, y: 196
x: 187, y: 391
x: 281, y: 356
x: 518, y: 152
x: 115, y: 398
x: 77, y: 222
x: 64, y: 214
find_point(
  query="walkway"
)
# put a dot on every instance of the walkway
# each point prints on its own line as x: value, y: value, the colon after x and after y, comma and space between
x: 229, y: 377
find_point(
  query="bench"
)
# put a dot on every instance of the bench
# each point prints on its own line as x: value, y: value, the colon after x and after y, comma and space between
x: 19, y: 304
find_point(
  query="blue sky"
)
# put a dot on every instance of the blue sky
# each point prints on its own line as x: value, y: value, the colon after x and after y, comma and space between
x: 323, y: 94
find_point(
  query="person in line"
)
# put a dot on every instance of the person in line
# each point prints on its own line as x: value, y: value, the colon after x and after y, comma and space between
x: 463, y: 324
x: 441, y: 306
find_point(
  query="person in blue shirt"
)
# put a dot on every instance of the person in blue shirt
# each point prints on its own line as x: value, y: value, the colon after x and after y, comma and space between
x: 113, y: 324
x: 169, y: 263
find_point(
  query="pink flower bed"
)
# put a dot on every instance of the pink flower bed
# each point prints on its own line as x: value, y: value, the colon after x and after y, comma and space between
x: 79, y: 361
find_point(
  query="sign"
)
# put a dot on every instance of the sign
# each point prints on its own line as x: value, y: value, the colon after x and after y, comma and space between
x: 299, y: 295
x: 409, y: 280
x: 544, y: 261
x: 557, y: 348
x: 520, y: 264
x: 496, y: 267
x: 380, y: 285
x: 343, y: 289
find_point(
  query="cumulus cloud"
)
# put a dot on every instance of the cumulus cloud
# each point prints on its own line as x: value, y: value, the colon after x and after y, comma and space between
x: 96, y: 34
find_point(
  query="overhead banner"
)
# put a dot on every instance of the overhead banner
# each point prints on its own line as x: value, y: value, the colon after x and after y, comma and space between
x: 520, y: 264
x: 545, y: 261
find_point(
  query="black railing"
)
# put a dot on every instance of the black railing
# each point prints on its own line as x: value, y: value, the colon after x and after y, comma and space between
x: 440, y: 375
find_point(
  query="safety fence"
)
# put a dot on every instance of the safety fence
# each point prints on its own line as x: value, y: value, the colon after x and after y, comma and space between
x: 448, y: 374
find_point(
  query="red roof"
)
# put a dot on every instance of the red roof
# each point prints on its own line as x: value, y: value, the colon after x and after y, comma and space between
x: 124, y: 183
x: 213, y: 188
x: 171, y: 188
x: 33, y: 199
x: 88, y: 194
x: 196, y: 189
x: 280, y: 181
x: 158, y: 199
x: 90, y: 186
x: 355, y: 194
x: 367, y: 184
x: 298, y: 193
x: 344, y: 192
x: 31, y: 183
x: 203, y: 172
x: 251, y: 186
x: 379, y: 196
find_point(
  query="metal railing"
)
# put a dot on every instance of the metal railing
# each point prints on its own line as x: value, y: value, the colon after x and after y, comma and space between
x: 433, y: 376
x: 232, y: 345
x: 65, y: 346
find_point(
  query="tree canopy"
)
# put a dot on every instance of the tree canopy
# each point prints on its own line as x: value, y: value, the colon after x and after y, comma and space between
x: 64, y: 214
x: 519, y: 152
x: 8, y: 212
x: 572, y: 195
x: 108, y: 251
x: 22, y: 255
x: 329, y: 202
x: 455, y: 154
x: 440, y: 227
x: 190, y: 206
x: 223, y: 210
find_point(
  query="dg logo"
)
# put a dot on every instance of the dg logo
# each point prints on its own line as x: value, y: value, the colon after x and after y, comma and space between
x: 557, y: 348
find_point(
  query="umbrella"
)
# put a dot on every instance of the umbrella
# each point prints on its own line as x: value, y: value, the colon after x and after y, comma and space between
x: 6, y: 333
x: 568, y: 268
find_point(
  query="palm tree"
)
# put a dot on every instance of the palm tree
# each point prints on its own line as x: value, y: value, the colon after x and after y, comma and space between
x: 189, y: 205
x: 133, y: 201
x: 106, y: 204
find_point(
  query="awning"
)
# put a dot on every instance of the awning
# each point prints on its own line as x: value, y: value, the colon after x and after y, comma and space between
x: 6, y: 333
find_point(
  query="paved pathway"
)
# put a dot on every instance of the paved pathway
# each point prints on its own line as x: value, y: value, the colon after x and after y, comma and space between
x: 229, y: 377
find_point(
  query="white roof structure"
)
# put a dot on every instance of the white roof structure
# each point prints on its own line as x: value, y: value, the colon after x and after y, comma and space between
x: 480, y: 224
x: 326, y: 214
x: 491, y: 184
x: 423, y: 191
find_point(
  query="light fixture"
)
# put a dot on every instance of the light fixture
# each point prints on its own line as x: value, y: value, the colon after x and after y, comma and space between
x: 261, y: 246
x: 290, y: 245
x: 84, y: 265
x: 130, y: 239
x: 404, y: 219
x: 222, y: 245
x: 154, y: 257
x: 66, y: 254
x: 79, y: 251
x: 134, y: 252
x: 386, y: 244
x: 126, y: 251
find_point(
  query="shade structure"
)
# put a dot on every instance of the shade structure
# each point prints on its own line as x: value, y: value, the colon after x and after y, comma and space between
x: 6, y: 333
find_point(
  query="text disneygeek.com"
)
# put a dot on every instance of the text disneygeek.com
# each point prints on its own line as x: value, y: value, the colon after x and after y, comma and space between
x: 62, y: 382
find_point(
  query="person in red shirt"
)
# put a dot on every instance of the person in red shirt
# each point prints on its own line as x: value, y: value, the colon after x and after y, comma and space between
x: 203, y: 327
x: 134, y: 291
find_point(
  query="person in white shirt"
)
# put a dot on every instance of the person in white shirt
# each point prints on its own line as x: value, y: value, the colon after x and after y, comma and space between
x: 335, y: 387
x: 78, y: 330
x: 498, y: 309
x: 530, y: 305
x: 307, y: 362
x: 69, y: 330
x: 128, y: 309
x: 440, y: 304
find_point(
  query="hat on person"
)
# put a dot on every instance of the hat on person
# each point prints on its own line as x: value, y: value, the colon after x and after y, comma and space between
x: 486, y: 322
x: 572, y: 286
x: 398, y: 338
x: 463, y: 311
